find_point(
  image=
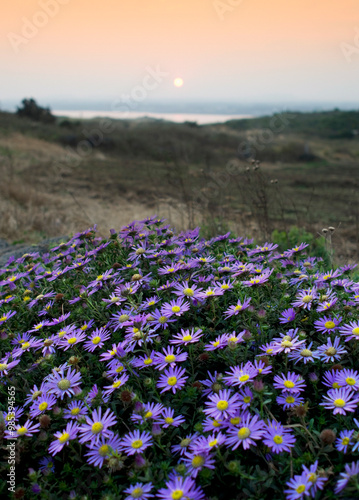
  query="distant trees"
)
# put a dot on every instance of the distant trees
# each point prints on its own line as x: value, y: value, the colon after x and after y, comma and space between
x: 30, y: 109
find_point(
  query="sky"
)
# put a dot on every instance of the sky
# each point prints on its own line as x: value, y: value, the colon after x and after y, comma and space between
x: 224, y: 50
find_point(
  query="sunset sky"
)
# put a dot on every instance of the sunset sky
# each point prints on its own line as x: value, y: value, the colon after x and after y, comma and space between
x: 249, y: 51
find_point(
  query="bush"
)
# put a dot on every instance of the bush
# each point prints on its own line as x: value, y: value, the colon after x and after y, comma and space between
x: 30, y: 109
x: 160, y: 364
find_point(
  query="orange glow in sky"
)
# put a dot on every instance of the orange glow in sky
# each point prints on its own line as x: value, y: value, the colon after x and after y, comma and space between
x: 229, y: 49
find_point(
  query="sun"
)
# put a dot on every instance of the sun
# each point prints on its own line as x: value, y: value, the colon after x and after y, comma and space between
x: 178, y: 82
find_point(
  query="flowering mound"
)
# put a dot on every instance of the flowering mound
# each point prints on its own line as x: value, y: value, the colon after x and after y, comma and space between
x: 156, y: 365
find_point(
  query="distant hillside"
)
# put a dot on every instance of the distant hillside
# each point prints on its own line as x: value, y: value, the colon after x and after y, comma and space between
x: 329, y: 124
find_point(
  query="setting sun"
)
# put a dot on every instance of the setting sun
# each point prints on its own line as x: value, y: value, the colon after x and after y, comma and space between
x: 178, y: 82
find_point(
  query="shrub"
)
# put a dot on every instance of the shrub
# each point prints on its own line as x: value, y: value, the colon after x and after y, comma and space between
x: 159, y: 365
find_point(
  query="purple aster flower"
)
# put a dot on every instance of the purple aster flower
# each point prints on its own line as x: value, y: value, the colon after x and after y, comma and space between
x: 42, y: 404
x: 295, y: 250
x: 75, y: 410
x: 100, y: 451
x: 287, y: 342
x: 266, y: 248
x: 213, y: 383
x: 245, y: 397
x: 97, y: 426
x: 185, y: 290
x: 117, y: 351
x: 299, y: 486
x: 278, y: 438
x: 115, y: 367
x: 160, y: 320
x: 258, y: 280
x: 330, y: 379
x: 240, y: 375
x: 235, y: 338
x: 317, y: 482
x: 351, y: 471
x: 341, y: 400
x: 148, y: 411
x: 289, y: 400
x: 287, y: 316
x: 327, y: 324
x: 261, y: 367
x: 344, y: 440
x: 305, y: 298
x: 28, y: 429
x: 225, y: 285
x: 97, y: 339
x: 348, y: 379
x: 5, y: 365
x: 169, y: 358
x: 184, y: 444
x: 219, y: 343
x: 239, y: 307
x: 5, y: 316
x: 213, y: 425
x: 331, y: 351
x: 204, y: 444
x: 136, y: 442
x: 172, y: 380
x: 139, y: 491
x: 222, y: 405
x: 167, y: 418
x: 291, y: 382
x: 180, y: 488
x: 186, y: 337
x: 39, y: 326
x: 350, y: 331
x: 63, y: 438
x: 212, y: 291
x: 305, y: 354
x: 69, y: 341
x: 195, y: 462
x: 249, y: 430
x: 326, y: 305
x: 175, y: 307
x: 63, y: 382
x: 145, y: 361
x: 46, y: 465
x: 118, y: 383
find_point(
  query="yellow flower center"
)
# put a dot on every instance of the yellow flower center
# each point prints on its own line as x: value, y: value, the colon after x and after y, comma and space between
x: 278, y: 439
x: 187, y: 338
x: 331, y: 351
x: 75, y: 411
x: 345, y: 441
x: 336, y: 385
x: 148, y: 361
x: 162, y: 319
x: 21, y: 431
x: 225, y: 287
x: 172, y: 381
x: 148, y: 414
x: 25, y: 345
x: 289, y: 399
x: 103, y: 451
x: 247, y: 399
x: 339, y: 403
x: 3, y: 367
x: 176, y: 309
x: 213, y: 443
x: 97, y: 427
x: 286, y: 343
x: 43, y: 406
x: 222, y: 405
x: 300, y: 488
x: 116, y: 384
x: 119, y: 369
x: 243, y: 378
x: 65, y: 436
x: 307, y: 298
x: 137, y: 444
x: 177, y: 495
x: 169, y: 420
x: 99, y: 277
x: 197, y: 461
x: 243, y: 433
x: 188, y: 292
x: 96, y: 340
x: 170, y: 358
x: 238, y: 308
x: 289, y: 384
x: 72, y: 340
x: 215, y: 344
x: 215, y: 423
x: 306, y: 353
x: 235, y: 420
x: 329, y: 324
x: 312, y: 477
x: 63, y: 384
x: 350, y: 381
x: 355, y: 331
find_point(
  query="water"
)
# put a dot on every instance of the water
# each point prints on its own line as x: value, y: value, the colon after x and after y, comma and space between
x: 201, y: 119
